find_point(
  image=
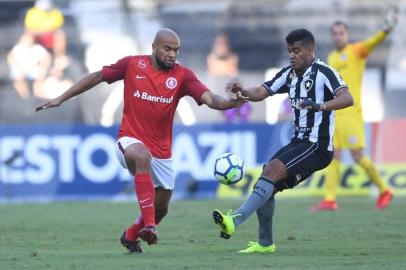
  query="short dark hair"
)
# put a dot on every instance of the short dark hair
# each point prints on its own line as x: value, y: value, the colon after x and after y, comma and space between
x: 337, y: 23
x: 300, y: 35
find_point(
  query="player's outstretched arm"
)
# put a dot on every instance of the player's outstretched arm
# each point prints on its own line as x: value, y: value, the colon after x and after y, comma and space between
x: 84, y: 84
x: 255, y: 94
x: 218, y: 102
x: 390, y: 23
x: 343, y: 99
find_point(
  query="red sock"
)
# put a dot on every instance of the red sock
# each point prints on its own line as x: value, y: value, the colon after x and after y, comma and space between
x: 146, y: 197
x: 132, y: 232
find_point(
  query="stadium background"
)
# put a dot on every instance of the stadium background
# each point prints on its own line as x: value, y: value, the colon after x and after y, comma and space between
x: 68, y: 153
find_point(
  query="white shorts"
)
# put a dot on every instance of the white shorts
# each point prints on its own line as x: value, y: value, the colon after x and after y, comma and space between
x: 162, y: 169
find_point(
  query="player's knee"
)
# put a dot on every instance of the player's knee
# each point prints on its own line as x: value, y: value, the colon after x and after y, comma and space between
x: 143, y: 163
x: 143, y: 159
x: 267, y: 170
x: 275, y: 170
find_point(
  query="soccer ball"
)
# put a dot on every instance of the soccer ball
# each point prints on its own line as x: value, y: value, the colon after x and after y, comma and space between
x: 228, y: 168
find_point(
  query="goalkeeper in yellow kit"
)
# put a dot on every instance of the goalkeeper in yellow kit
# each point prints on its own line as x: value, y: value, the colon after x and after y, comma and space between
x: 349, y: 60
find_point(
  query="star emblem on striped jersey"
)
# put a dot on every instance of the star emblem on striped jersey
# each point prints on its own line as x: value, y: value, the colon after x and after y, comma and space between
x: 308, y: 84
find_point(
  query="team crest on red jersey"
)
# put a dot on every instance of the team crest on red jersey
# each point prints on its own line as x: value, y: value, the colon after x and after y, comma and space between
x: 142, y: 63
x: 171, y: 83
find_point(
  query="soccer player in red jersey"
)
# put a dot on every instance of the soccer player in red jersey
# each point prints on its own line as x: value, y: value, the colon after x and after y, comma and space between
x: 153, y: 86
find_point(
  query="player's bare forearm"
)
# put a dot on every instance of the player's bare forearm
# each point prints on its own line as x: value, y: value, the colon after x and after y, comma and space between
x: 84, y: 84
x: 218, y: 102
x: 87, y: 82
x: 255, y: 94
x: 343, y: 99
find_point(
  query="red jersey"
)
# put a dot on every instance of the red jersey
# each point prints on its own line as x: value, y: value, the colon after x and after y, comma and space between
x: 150, y: 99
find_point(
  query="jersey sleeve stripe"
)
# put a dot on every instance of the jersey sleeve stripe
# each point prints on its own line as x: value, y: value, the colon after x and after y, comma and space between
x: 268, y: 89
x: 277, y: 81
x: 338, y: 88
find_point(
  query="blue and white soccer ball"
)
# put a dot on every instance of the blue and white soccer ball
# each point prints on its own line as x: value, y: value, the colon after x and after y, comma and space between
x: 228, y: 168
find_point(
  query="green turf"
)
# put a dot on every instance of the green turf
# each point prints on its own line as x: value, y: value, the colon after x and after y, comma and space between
x: 84, y: 235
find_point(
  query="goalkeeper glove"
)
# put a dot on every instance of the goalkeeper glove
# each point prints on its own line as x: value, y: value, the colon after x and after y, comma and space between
x: 391, y: 20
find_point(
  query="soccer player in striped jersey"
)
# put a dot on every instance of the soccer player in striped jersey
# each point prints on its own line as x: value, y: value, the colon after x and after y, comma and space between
x: 153, y: 86
x: 349, y: 59
x: 315, y: 91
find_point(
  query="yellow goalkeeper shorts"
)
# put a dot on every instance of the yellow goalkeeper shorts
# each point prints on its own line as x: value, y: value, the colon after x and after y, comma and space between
x: 349, y: 131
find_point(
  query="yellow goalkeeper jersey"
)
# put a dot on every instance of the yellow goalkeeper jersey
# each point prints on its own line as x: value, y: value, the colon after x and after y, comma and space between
x: 350, y: 63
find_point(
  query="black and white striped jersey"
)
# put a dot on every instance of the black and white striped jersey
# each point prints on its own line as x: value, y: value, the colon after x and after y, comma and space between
x: 319, y: 83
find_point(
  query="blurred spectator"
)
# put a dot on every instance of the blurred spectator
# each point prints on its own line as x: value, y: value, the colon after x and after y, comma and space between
x: 222, y: 61
x: 45, y: 21
x: 29, y: 62
x: 222, y: 66
x: 54, y: 85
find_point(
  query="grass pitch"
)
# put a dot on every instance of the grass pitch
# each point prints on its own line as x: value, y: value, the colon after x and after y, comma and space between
x: 84, y: 235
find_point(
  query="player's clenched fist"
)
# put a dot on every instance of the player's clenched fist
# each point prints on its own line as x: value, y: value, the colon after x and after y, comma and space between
x: 52, y: 103
x: 235, y: 91
x: 233, y: 87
